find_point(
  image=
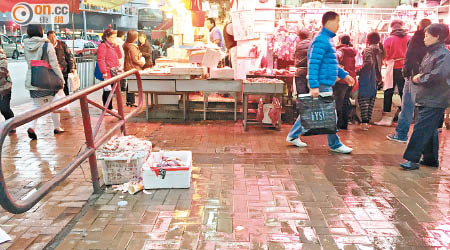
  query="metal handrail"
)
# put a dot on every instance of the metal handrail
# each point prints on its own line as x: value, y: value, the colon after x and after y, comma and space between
x: 21, y: 206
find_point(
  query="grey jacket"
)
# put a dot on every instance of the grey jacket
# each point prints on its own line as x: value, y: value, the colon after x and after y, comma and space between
x: 434, y: 84
x: 33, y: 51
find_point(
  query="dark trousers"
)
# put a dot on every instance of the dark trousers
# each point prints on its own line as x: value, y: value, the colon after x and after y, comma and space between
x: 66, y: 85
x: 341, y: 93
x: 105, y: 99
x: 5, y: 106
x: 399, y: 81
x: 424, y: 139
x: 131, y: 97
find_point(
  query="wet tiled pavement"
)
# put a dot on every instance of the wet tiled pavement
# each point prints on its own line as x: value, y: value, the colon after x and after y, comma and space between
x: 249, y: 191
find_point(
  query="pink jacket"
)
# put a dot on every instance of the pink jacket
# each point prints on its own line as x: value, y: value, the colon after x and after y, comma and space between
x: 108, y: 56
x: 395, y: 48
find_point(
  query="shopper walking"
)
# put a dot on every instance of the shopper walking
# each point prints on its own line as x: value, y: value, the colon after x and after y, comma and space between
x: 132, y: 60
x: 33, y: 49
x: 5, y: 88
x: 432, y: 98
x: 414, y: 56
x: 369, y: 76
x: 146, y: 49
x: 108, y: 55
x: 301, y: 83
x: 323, y: 71
x: 395, y: 48
x: 346, y: 55
x: 65, y: 58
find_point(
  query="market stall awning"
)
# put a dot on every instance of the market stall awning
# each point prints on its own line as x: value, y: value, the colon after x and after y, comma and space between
x: 160, y: 31
x: 74, y: 5
x: 108, y: 4
x: 165, y: 25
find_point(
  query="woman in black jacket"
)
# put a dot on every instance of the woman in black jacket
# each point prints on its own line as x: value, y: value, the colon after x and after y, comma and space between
x: 432, y: 98
x: 146, y: 50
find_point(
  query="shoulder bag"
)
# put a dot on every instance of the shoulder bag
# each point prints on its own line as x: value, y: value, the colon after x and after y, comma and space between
x: 42, y: 74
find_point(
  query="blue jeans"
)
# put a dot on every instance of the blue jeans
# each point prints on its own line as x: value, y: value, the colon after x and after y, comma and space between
x: 406, y: 115
x: 424, y: 139
x: 333, y: 139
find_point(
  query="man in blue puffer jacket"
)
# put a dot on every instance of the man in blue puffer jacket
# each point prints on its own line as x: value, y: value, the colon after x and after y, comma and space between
x: 323, y: 71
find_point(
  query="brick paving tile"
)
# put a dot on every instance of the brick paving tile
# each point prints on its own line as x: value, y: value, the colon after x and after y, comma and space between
x: 249, y: 190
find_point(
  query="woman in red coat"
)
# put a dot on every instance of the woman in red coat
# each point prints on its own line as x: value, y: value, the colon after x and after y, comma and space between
x: 346, y: 56
x: 108, y: 55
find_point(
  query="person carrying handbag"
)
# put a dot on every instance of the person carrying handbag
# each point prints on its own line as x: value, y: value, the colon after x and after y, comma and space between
x: 5, y: 88
x: 108, y: 55
x: 34, y: 51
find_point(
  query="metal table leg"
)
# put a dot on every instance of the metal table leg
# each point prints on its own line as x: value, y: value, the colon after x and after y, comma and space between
x: 146, y: 107
x: 205, y: 104
x: 245, y: 111
x: 234, y: 95
x: 184, y: 105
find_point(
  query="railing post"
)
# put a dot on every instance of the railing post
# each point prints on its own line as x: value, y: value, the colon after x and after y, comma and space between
x: 90, y: 143
x: 120, y: 106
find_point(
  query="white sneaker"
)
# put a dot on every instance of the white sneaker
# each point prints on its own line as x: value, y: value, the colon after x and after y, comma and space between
x: 296, y: 141
x: 342, y: 150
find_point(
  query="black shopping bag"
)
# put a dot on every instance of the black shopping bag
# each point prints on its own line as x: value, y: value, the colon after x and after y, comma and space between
x: 317, y: 115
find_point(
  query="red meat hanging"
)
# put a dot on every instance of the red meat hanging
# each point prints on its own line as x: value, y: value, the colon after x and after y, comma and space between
x: 260, y: 111
x: 275, y: 111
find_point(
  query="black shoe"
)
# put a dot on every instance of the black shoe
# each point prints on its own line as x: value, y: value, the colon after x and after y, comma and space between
x: 58, y: 131
x: 31, y: 134
x: 409, y: 165
x: 432, y: 164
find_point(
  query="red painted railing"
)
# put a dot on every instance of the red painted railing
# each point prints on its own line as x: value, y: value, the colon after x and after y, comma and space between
x: 92, y: 143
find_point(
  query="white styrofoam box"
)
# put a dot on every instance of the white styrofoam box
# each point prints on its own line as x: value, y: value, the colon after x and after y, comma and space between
x: 174, y: 178
x: 266, y: 109
x: 222, y: 73
x: 187, y: 70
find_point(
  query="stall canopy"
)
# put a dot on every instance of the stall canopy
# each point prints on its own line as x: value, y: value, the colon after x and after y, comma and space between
x: 160, y: 31
x: 108, y: 4
x: 74, y: 5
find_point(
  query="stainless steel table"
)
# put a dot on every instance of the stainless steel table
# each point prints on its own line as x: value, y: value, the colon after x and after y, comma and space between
x: 182, y: 85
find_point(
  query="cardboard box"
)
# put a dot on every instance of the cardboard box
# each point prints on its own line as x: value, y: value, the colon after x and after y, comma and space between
x: 179, y: 177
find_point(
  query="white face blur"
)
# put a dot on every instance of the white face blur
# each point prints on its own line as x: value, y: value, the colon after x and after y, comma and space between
x: 430, y: 40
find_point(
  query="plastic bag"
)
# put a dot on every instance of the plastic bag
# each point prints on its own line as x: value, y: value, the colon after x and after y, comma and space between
x: 73, y: 81
x: 59, y: 95
x: 275, y: 111
x: 260, y: 111
x: 318, y: 115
